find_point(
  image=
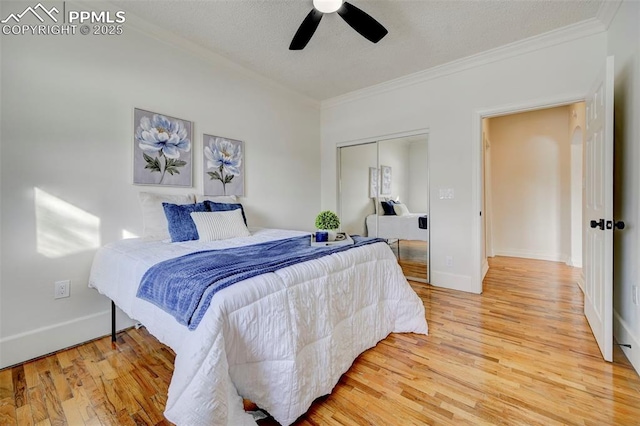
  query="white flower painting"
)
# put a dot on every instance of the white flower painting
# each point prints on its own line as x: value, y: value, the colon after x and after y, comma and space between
x: 162, y: 150
x: 223, y: 166
x: 385, y: 180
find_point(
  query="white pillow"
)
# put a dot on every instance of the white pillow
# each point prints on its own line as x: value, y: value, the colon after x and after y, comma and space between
x: 154, y: 221
x: 227, y: 199
x: 401, y: 209
x: 214, y: 226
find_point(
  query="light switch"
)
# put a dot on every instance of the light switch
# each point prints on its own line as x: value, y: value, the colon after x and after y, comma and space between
x: 446, y: 193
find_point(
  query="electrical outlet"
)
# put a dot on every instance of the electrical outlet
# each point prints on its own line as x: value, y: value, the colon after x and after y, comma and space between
x: 448, y: 260
x: 61, y: 289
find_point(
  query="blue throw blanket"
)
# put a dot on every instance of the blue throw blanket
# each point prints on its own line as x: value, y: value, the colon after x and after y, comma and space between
x: 184, y: 286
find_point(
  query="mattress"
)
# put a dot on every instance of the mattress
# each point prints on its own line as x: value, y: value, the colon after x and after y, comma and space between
x: 397, y: 227
x: 280, y: 339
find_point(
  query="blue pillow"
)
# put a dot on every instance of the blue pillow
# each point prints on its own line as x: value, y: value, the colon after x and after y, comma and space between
x: 225, y: 207
x: 387, y: 207
x: 181, y: 226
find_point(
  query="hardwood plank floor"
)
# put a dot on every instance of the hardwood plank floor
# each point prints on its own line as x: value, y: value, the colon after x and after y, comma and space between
x: 412, y: 257
x: 519, y: 354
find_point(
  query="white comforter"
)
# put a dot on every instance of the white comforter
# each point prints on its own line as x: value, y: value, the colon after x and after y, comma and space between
x: 280, y: 339
x: 397, y: 227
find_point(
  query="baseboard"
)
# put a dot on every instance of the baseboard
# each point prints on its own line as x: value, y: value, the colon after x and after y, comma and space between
x: 581, y: 282
x: 526, y: 254
x: 451, y: 281
x: 42, y: 341
x: 624, y: 335
x: 485, y: 268
x: 576, y: 263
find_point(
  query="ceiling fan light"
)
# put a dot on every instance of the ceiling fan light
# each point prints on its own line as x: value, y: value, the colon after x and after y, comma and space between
x: 327, y: 6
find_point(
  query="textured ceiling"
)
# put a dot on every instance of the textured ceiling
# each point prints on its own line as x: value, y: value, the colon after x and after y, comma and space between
x: 422, y: 34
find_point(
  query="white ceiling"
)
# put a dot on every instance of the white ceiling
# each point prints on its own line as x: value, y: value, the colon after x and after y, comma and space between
x: 422, y: 34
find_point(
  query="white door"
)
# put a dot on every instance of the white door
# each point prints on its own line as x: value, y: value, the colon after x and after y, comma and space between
x: 598, y: 211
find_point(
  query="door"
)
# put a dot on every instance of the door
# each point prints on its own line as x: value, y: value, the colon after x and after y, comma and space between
x: 371, y: 173
x: 404, y: 180
x: 357, y: 207
x: 598, y: 261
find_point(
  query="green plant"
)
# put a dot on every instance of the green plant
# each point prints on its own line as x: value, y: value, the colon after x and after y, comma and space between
x: 327, y: 220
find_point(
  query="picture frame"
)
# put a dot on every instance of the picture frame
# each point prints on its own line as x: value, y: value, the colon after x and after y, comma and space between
x: 385, y: 181
x: 162, y: 152
x: 373, y: 182
x: 223, y: 166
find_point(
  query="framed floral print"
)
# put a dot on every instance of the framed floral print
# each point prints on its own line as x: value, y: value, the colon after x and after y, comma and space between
x: 162, y: 150
x: 223, y: 166
x: 385, y: 180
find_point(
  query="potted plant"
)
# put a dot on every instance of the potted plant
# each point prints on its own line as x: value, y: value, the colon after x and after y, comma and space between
x: 327, y: 221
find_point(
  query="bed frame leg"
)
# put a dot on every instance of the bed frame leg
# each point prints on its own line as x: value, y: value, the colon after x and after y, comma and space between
x: 113, y: 322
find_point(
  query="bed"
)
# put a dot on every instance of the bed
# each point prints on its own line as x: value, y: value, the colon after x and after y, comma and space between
x: 281, y: 339
x: 397, y: 227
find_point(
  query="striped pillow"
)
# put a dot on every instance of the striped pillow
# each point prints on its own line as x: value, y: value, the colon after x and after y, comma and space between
x: 222, y: 225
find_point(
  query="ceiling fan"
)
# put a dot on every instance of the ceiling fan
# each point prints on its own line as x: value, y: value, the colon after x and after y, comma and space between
x: 359, y: 21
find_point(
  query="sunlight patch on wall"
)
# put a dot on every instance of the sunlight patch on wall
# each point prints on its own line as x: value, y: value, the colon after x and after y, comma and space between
x: 128, y: 234
x: 62, y: 228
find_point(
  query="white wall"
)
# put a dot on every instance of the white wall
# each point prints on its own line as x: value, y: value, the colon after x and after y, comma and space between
x: 394, y: 153
x: 531, y: 184
x: 418, y: 197
x: 355, y: 204
x: 446, y: 103
x: 66, y: 131
x: 624, y: 44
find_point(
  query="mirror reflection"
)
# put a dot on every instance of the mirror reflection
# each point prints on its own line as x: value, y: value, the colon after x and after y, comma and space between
x: 384, y: 192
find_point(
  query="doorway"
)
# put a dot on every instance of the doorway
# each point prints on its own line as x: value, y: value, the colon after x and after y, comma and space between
x: 478, y: 209
x: 597, y: 201
x: 533, y: 185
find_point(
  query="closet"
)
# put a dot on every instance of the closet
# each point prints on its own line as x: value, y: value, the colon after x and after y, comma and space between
x: 383, y: 191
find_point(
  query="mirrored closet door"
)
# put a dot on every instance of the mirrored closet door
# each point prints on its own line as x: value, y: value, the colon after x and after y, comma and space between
x: 384, y: 192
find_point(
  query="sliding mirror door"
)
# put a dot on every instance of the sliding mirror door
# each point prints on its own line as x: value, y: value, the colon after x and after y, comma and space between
x: 384, y: 192
x: 404, y: 202
x: 357, y: 202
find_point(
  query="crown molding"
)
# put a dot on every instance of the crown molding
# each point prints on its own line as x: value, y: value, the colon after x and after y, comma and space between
x: 562, y: 35
x: 600, y: 23
x: 136, y: 23
x: 607, y: 12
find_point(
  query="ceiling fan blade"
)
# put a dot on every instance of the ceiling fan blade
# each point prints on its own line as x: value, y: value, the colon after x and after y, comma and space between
x: 360, y: 21
x: 306, y: 30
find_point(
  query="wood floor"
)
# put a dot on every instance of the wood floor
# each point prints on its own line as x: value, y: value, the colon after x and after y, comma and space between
x: 412, y: 257
x: 520, y: 354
